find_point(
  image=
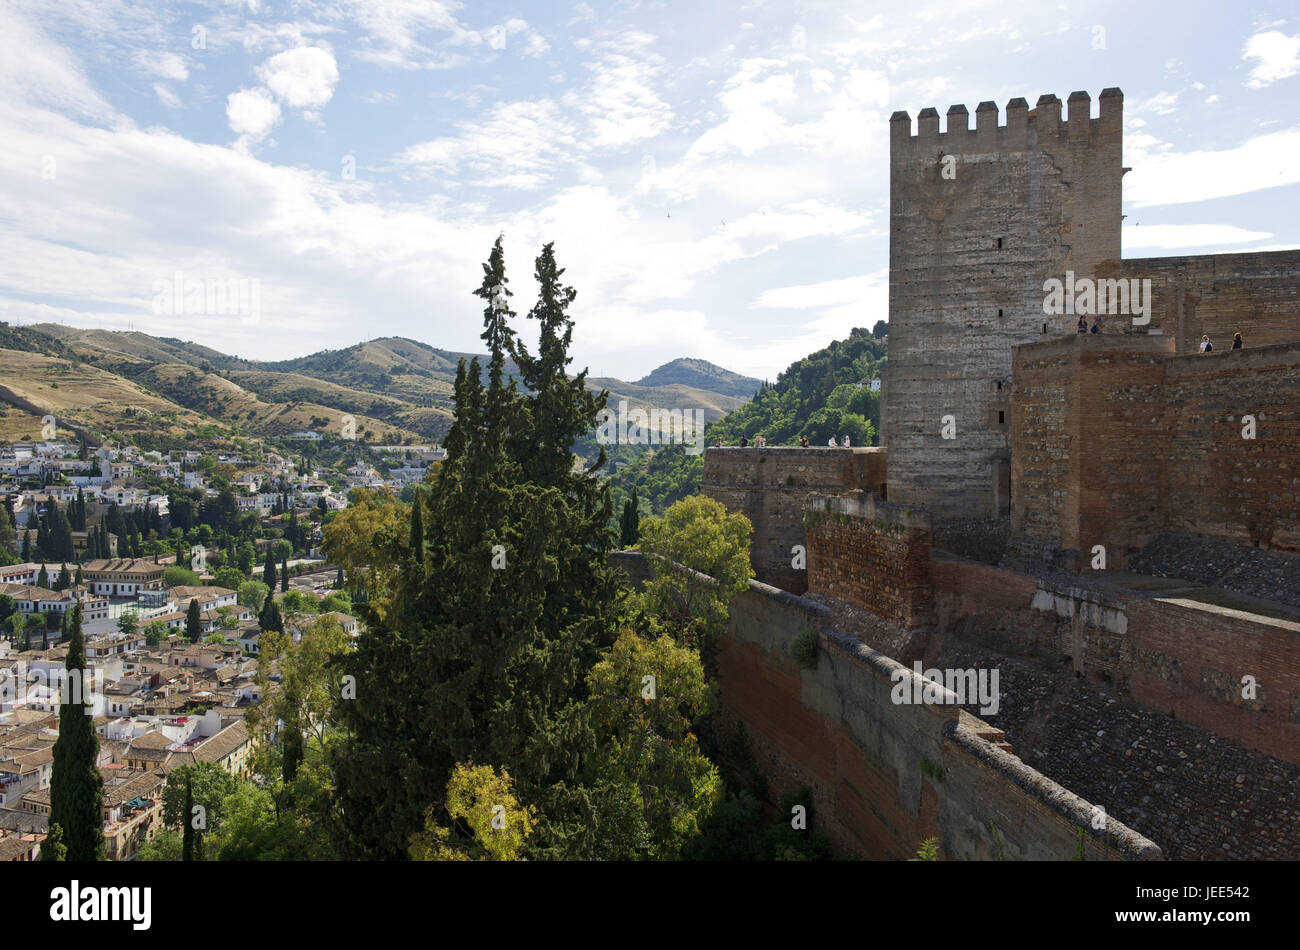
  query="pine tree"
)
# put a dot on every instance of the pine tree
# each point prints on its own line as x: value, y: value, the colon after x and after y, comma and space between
x: 268, y: 572
x: 65, y: 578
x: 630, y: 524
x: 76, y: 787
x: 193, y: 621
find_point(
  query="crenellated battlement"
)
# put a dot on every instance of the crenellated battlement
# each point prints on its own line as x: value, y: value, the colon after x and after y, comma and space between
x: 1047, y: 119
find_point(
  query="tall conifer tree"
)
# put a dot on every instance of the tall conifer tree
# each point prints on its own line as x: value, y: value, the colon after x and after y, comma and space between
x: 76, y: 787
x: 483, y: 655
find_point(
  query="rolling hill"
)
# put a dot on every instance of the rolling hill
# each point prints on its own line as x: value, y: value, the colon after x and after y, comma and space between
x: 398, y: 389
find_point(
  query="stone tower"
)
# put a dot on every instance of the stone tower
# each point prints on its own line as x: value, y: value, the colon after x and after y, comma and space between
x: 979, y: 219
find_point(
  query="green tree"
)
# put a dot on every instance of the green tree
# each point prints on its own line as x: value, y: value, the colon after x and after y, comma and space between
x: 496, y: 672
x: 700, y: 535
x: 155, y: 632
x: 284, y: 575
x: 176, y: 576
x: 193, y: 621
x: 252, y: 594
x: 190, y: 831
x: 229, y: 578
x: 53, y: 848
x: 485, y: 802
x: 76, y: 787
x: 268, y: 570
x: 646, y: 696
x: 128, y: 623
x: 630, y: 523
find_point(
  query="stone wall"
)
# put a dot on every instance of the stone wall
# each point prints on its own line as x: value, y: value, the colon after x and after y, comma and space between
x: 769, y: 486
x: 1256, y: 294
x: 1174, y: 656
x: 885, y: 776
x: 1115, y: 441
x: 871, y: 553
x: 1218, y: 482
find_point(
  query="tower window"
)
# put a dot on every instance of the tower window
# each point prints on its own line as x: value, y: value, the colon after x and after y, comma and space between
x: 999, y: 244
x: 999, y: 385
x: 1002, y: 416
x: 999, y: 311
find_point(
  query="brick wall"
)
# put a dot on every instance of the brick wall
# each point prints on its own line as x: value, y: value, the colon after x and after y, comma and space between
x: 769, y: 486
x: 871, y: 554
x: 1116, y: 440
x: 886, y: 776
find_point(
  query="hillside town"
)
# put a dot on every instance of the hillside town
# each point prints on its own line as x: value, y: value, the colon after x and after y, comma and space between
x: 180, y: 562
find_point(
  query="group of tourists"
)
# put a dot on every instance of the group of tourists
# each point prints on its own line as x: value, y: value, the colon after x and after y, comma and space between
x: 761, y: 443
x: 1208, y: 347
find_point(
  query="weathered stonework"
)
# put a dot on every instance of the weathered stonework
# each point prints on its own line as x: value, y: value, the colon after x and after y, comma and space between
x: 1117, y: 440
x: 769, y: 486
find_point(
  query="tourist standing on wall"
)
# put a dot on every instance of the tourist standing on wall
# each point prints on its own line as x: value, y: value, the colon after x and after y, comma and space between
x: 1206, y: 345
x: 1236, y: 341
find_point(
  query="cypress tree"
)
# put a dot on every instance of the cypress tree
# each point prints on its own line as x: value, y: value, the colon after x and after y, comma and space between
x: 269, y: 618
x: 630, y: 524
x: 417, y: 531
x: 43, y: 578
x: 268, y: 572
x: 27, y: 546
x: 81, y: 578
x: 484, y: 653
x: 188, y: 834
x: 284, y: 575
x: 76, y: 787
x: 193, y: 621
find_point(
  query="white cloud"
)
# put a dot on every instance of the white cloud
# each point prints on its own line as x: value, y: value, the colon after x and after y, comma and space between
x: 252, y: 112
x: 620, y: 103
x: 303, y: 78
x: 514, y: 145
x: 164, y: 65
x: 165, y: 95
x: 1188, y: 235
x: 824, y: 294
x: 1277, y: 57
x: 1266, y: 161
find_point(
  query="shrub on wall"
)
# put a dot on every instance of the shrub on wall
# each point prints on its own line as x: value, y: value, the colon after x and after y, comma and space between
x: 803, y: 649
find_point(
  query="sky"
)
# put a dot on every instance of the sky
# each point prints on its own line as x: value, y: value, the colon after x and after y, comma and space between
x: 714, y: 176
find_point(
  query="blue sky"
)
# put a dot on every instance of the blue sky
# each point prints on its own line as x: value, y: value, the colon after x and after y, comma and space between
x: 715, y: 176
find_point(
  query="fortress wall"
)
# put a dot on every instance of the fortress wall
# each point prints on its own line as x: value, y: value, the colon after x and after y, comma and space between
x: 886, y: 776
x: 1116, y: 440
x: 1188, y: 659
x: 1220, y: 483
x: 1256, y: 294
x: 1172, y: 656
x: 769, y: 486
x: 1119, y: 476
x: 872, y: 554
